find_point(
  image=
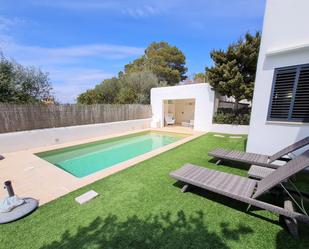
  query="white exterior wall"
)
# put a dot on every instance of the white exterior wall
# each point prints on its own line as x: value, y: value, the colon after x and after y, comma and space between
x: 285, y: 42
x: 201, y: 93
x: 15, y: 141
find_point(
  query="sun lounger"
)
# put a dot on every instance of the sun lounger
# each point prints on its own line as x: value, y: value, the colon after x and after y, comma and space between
x: 258, y: 159
x: 244, y: 189
x: 259, y: 172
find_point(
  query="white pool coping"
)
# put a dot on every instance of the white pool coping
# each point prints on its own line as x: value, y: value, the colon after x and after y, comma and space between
x: 34, y: 177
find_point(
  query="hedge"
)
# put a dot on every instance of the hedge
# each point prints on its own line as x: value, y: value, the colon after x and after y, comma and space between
x: 230, y: 116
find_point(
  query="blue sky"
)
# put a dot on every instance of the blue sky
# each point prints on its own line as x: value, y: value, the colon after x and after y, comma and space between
x: 81, y: 42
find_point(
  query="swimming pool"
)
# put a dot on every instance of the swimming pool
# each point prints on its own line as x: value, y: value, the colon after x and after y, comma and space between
x: 85, y: 159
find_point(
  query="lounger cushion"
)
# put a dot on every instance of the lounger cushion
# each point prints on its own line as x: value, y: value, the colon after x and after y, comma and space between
x: 215, y: 181
x: 240, y: 156
x: 259, y: 172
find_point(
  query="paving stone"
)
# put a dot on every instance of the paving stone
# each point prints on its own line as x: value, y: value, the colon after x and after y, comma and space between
x: 217, y: 135
x: 86, y: 197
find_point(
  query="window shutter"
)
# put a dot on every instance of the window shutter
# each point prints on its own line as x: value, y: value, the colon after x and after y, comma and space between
x: 301, y: 102
x: 282, y: 93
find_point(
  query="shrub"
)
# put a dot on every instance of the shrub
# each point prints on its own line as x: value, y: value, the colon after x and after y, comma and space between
x: 230, y: 116
x: 20, y: 84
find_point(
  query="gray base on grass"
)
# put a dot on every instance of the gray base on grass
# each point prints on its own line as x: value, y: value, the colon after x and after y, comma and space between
x: 29, y: 206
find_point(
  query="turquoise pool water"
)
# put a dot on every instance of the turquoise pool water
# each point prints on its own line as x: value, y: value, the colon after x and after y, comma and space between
x: 85, y: 159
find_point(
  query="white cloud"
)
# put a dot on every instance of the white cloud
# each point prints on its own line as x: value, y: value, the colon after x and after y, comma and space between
x: 68, y: 67
x: 78, y: 5
x: 142, y: 11
x: 132, y: 8
x: 64, y: 55
x: 65, y: 65
x: 196, y: 9
x: 73, y: 81
x: 6, y: 23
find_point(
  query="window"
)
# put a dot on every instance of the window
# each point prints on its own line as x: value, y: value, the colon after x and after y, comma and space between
x: 289, y: 99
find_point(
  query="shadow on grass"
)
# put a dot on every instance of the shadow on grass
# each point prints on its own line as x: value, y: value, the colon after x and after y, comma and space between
x: 159, y: 231
x: 284, y: 240
x: 245, y: 143
x: 234, y: 234
x: 240, y: 206
x: 230, y: 163
x: 283, y: 237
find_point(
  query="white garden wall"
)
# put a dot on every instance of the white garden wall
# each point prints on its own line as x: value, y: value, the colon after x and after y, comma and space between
x: 285, y: 42
x: 23, y: 140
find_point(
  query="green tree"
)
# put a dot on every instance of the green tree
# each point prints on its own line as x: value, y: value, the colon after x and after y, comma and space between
x: 88, y: 98
x: 165, y: 61
x: 233, y: 73
x: 127, y: 95
x: 7, y: 90
x: 199, y: 77
x: 140, y: 83
x: 130, y: 88
x: 103, y: 93
x: 19, y: 84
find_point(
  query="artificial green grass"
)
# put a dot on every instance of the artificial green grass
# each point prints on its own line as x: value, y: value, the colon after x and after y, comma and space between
x: 142, y: 207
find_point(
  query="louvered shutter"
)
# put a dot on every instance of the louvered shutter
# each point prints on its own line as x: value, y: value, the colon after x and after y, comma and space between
x: 282, y: 93
x: 300, y: 111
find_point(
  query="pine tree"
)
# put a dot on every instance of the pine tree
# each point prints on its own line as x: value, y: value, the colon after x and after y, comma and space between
x: 233, y: 73
x: 165, y: 61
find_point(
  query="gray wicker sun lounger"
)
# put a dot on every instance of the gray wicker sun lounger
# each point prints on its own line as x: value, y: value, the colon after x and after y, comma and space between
x: 244, y: 189
x: 257, y: 159
x: 259, y: 172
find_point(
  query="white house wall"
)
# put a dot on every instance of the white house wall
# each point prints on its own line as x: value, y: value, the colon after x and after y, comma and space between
x: 201, y: 93
x: 285, y: 42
